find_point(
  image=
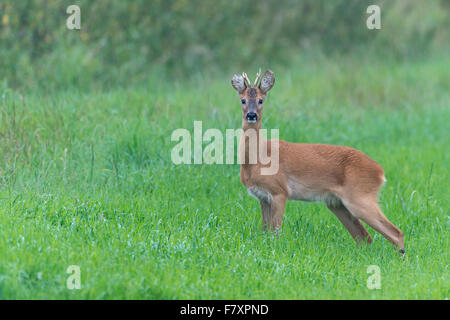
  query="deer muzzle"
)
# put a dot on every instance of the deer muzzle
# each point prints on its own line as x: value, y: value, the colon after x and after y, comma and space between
x: 252, y: 117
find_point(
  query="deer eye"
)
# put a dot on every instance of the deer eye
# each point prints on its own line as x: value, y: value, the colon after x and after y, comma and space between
x: 243, y: 101
x: 260, y: 101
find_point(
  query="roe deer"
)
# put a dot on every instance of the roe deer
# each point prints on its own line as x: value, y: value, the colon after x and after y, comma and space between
x: 344, y: 178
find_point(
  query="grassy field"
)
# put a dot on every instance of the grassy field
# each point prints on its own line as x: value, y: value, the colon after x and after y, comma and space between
x: 86, y: 179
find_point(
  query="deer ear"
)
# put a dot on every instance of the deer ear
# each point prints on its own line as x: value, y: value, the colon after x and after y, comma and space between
x: 238, y: 83
x: 267, y: 81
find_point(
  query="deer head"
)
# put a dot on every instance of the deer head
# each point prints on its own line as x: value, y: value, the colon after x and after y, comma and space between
x: 252, y: 97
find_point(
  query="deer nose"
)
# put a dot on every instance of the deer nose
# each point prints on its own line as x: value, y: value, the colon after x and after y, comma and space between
x: 252, y: 117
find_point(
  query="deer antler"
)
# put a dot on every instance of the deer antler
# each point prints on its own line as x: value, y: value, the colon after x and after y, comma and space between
x: 246, y: 79
x: 257, y: 78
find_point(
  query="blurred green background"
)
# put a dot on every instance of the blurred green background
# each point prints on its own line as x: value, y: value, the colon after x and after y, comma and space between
x: 125, y: 42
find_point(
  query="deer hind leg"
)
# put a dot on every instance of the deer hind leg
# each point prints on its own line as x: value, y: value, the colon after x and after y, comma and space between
x: 353, y: 225
x: 272, y: 212
x: 368, y: 210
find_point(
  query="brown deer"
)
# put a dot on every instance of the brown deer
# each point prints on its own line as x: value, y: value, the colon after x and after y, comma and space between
x: 347, y: 180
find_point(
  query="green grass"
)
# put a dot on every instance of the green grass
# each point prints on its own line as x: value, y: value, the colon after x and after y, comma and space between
x: 86, y: 179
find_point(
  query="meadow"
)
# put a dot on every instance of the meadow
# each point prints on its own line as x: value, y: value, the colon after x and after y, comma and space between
x: 86, y: 179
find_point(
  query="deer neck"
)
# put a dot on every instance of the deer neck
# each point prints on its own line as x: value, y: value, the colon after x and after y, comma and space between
x: 250, y: 143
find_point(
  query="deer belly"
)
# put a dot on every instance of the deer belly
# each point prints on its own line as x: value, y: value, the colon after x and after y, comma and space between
x: 300, y: 191
x: 259, y: 194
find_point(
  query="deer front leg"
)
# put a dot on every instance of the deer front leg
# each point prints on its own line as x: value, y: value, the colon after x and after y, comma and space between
x: 265, y: 210
x: 272, y: 212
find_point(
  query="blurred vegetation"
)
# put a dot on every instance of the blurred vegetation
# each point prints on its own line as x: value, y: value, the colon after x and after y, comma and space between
x: 123, y: 42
